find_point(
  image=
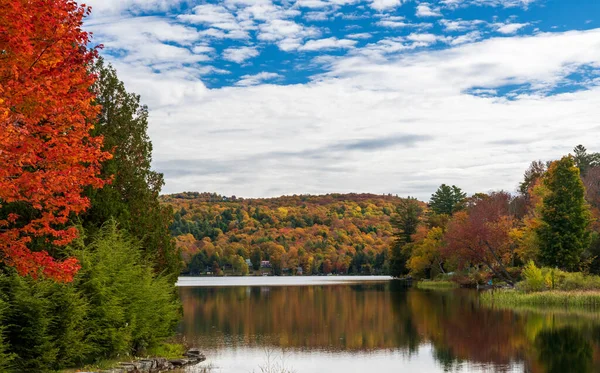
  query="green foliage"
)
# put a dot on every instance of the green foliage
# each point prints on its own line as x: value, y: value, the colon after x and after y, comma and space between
x: 167, y: 350
x: 115, y: 306
x: 563, y: 233
x: 542, y: 279
x: 132, y: 196
x: 240, y: 266
x: 536, y: 170
x: 407, y: 219
x: 447, y: 200
x: 533, y: 278
x: 5, y: 357
x: 584, y: 160
x: 405, y: 223
x: 130, y: 308
x: 44, y: 323
x: 544, y: 298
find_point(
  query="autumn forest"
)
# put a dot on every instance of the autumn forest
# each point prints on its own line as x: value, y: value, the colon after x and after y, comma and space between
x: 91, y: 250
x: 476, y: 238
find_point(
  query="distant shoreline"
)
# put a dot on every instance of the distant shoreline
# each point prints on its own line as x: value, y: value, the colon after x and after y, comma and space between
x: 224, y: 281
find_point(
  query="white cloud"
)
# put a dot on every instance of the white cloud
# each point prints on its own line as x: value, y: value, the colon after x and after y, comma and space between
x: 425, y: 10
x: 249, y: 80
x: 199, y: 49
x: 277, y: 132
x: 317, y: 16
x: 381, y: 5
x: 427, y: 38
x: 329, y: 43
x: 241, y: 54
x: 313, y: 4
x: 360, y: 35
x: 148, y: 41
x: 509, y: 28
x: 288, y: 35
x: 344, y: 131
x: 113, y: 7
x: 460, y: 25
x: 493, y: 3
x: 221, y: 23
x: 209, y: 14
x: 471, y: 37
x: 401, y: 24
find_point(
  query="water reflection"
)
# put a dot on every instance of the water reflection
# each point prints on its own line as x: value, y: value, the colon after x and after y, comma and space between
x: 323, y: 328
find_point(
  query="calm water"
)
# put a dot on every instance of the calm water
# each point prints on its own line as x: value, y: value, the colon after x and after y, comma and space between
x: 332, y: 325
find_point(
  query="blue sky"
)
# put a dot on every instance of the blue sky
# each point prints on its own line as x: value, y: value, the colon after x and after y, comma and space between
x: 262, y: 97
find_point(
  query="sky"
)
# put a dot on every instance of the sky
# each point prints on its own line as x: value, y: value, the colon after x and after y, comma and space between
x: 261, y: 98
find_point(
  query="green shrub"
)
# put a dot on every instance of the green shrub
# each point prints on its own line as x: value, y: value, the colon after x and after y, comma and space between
x: 116, y: 306
x: 131, y: 308
x: 44, y: 323
x: 533, y: 278
x: 5, y: 357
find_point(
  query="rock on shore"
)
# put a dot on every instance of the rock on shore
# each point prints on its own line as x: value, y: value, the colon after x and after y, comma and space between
x: 155, y: 365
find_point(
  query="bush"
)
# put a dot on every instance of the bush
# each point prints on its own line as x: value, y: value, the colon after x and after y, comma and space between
x: 131, y: 308
x: 44, y: 323
x: 116, y: 306
x: 541, y: 279
x: 533, y: 278
x: 5, y: 356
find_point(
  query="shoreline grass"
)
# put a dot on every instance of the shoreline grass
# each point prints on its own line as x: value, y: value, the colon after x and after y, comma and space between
x: 436, y: 285
x: 576, y: 298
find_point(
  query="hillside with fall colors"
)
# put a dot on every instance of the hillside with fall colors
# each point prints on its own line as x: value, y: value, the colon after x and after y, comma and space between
x: 334, y: 233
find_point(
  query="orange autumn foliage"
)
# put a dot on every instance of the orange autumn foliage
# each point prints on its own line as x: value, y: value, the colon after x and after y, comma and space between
x: 47, y: 155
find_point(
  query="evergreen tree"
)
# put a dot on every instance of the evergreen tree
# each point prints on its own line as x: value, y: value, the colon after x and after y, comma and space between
x: 584, y: 160
x: 405, y: 222
x: 563, y: 233
x: 536, y: 170
x: 447, y: 200
x: 132, y: 197
x: 5, y: 357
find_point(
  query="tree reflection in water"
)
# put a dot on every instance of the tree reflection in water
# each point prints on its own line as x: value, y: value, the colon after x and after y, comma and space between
x: 378, y: 317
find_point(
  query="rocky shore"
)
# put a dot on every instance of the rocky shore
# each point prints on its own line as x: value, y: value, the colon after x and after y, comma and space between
x: 156, y: 365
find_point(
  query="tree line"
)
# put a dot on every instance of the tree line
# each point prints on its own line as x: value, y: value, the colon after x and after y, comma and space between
x: 335, y: 233
x: 551, y: 220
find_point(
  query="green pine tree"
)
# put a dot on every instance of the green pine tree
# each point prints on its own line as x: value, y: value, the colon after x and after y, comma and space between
x: 132, y: 196
x: 584, y: 160
x: 563, y: 233
x: 447, y: 200
x: 406, y: 221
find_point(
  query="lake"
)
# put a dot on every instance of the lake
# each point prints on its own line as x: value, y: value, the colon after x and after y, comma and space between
x: 374, y: 324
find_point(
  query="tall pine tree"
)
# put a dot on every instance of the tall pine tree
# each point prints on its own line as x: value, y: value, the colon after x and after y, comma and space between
x: 132, y: 197
x: 406, y: 221
x: 563, y: 233
x: 447, y: 200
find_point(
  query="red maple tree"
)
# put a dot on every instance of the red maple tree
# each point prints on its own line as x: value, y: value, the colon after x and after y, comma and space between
x: 480, y: 235
x: 47, y: 155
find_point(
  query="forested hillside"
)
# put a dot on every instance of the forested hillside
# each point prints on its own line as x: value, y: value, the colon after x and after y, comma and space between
x: 334, y: 233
